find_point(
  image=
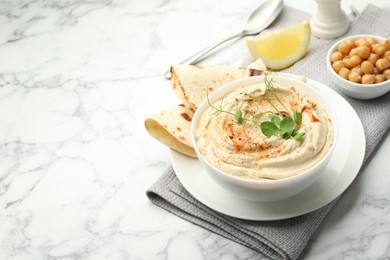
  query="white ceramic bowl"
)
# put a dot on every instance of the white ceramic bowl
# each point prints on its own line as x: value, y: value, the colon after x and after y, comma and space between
x: 355, y: 90
x: 265, y: 190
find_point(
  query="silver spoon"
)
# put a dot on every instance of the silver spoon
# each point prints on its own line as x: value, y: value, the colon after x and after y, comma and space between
x: 260, y: 19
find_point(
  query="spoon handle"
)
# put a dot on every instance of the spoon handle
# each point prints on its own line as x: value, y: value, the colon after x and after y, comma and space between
x: 200, y: 54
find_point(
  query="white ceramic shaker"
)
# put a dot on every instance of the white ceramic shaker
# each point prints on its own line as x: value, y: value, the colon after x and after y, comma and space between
x: 329, y: 20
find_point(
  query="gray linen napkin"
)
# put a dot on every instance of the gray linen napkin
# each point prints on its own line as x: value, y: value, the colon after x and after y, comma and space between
x: 284, y: 239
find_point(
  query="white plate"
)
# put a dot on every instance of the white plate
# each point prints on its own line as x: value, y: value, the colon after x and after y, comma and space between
x: 338, y: 174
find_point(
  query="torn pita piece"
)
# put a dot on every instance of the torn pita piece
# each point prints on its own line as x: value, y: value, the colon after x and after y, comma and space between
x: 192, y: 84
x: 172, y: 128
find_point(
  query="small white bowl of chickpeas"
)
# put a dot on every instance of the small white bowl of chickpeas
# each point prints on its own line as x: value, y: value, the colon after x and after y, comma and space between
x: 360, y: 65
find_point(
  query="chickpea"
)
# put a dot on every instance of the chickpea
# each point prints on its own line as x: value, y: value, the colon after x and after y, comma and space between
x: 373, y: 58
x: 354, y: 51
x: 338, y: 65
x: 379, y: 78
x: 364, y: 52
x: 371, y: 40
x: 357, y: 42
x: 367, y: 67
x: 344, y: 48
x: 376, y: 71
x: 386, y: 44
x: 382, y: 64
x: 346, y: 62
x: 336, y: 56
x: 351, y: 43
x: 378, y: 49
x: 358, y: 70
x: 344, y: 73
x: 386, y: 55
x: 368, y: 79
x: 386, y: 74
x: 354, y: 61
x: 355, y: 77
x: 364, y: 42
x: 360, y: 42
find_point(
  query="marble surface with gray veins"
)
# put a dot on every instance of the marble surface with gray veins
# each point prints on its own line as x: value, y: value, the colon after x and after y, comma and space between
x: 77, y: 80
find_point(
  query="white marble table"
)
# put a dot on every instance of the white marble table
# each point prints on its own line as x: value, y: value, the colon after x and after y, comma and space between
x: 77, y: 80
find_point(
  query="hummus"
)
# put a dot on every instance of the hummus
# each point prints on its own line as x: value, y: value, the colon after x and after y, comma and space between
x: 241, y: 149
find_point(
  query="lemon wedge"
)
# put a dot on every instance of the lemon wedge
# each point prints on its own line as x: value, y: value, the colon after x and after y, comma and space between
x: 281, y: 49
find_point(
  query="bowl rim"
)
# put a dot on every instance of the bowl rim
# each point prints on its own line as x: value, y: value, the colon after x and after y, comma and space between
x: 223, y: 89
x: 372, y: 87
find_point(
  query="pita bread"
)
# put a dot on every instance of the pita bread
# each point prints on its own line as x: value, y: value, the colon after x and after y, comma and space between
x: 172, y: 128
x: 192, y: 83
x: 258, y: 65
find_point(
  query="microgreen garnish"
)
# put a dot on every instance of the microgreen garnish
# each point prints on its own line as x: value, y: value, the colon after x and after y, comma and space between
x: 283, y: 127
x: 239, y: 117
x: 297, y: 117
x: 282, y: 123
x: 218, y: 109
